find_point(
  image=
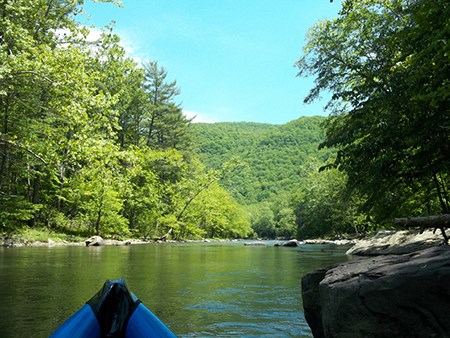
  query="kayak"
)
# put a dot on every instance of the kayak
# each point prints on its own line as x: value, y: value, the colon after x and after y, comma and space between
x: 116, y: 312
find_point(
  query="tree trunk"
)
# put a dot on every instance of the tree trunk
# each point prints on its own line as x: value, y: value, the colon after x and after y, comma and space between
x: 437, y: 222
x: 164, y: 238
x: 424, y: 222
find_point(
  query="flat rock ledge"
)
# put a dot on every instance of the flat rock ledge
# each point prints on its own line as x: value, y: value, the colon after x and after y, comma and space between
x: 396, y: 243
x: 385, y: 296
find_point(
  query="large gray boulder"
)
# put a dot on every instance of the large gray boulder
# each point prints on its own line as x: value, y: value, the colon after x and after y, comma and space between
x: 386, y: 296
x: 311, y: 300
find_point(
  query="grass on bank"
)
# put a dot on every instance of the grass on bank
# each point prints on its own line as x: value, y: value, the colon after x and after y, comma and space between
x: 30, y: 235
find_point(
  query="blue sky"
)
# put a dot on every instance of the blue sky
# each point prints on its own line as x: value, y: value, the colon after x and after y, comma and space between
x: 233, y: 60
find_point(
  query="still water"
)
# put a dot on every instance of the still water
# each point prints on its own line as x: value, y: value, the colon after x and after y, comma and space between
x: 198, y: 290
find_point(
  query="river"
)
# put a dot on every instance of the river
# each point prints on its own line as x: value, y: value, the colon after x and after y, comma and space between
x: 198, y: 290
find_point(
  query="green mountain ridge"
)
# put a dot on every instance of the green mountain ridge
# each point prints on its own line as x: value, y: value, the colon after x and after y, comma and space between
x: 277, y: 157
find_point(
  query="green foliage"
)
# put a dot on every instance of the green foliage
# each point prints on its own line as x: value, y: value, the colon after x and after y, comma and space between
x: 14, y: 212
x: 98, y: 189
x: 276, y: 161
x: 275, y: 158
x: 387, y: 65
x: 203, y: 207
x: 92, y: 142
x: 263, y: 220
x: 285, y: 219
x: 323, y: 208
x: 164, y: 124
x: 29, y: 235
x: 217, y: 214
x: 89, y: 141
x: 143, y: 192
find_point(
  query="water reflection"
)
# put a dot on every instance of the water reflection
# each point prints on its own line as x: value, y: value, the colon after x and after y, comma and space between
x: 196, y: 289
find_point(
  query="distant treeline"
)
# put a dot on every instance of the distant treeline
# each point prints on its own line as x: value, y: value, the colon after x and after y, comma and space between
x: 278, y: 163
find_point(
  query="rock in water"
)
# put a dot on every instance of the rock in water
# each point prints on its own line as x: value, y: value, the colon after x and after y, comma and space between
x: 255, y: 244
x: 292, y: 242
x: 387, y: 296
x: 95, y: 241
x: 311, y: 303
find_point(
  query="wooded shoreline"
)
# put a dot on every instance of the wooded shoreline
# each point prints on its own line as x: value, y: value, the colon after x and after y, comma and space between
x: 381, y: 243
x: 22, y: 242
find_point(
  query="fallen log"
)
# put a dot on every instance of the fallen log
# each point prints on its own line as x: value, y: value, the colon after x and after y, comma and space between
x: 426, y: 222
x: 164, y: 238
x: 435, y: 222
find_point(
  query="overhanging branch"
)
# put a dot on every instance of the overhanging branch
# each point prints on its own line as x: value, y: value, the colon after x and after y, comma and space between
x: 28, y: 150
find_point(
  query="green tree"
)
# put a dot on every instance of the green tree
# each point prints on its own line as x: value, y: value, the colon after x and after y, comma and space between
x: 285, y: 222
x: 151, y: 192
x: 142, y: 199
x: 323, y: 208
x: 165, y: 125
x: 45, y: 98
x: 262, y: 220
x: 386, y: 64
x: 98, y: 191
x: 121, y: 79
x: 217, y: 214
x: 195, y: 183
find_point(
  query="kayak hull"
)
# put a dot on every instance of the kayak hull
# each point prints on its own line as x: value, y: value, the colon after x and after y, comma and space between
x: 82, y: 323
x: 113, y: 312
x: 144, y: 321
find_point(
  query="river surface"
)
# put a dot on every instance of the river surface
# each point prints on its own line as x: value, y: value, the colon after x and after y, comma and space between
x: 198, y: 290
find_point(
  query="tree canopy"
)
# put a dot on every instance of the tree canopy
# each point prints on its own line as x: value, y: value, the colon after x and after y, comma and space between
x: 386, y: 63
x: 279, y: 164
x: 276, y: 158
x: 92, y: 142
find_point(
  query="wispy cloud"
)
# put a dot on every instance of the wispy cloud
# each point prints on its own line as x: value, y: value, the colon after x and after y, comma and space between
x: 199, y: 117
x: 131, y: 46
x: 66, y: 36
x: 94, y: 34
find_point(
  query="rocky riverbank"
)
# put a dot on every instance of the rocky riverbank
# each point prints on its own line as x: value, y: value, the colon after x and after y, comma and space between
x: 23, y: 242
x: 396, y: 243
x: 92, y: 241
x: 384, y: 242
x: 385, y: 296
x: 401, y: 290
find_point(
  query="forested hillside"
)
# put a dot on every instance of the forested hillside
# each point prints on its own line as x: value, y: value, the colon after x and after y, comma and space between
x: 279, y: 181
x: 275, y: 158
